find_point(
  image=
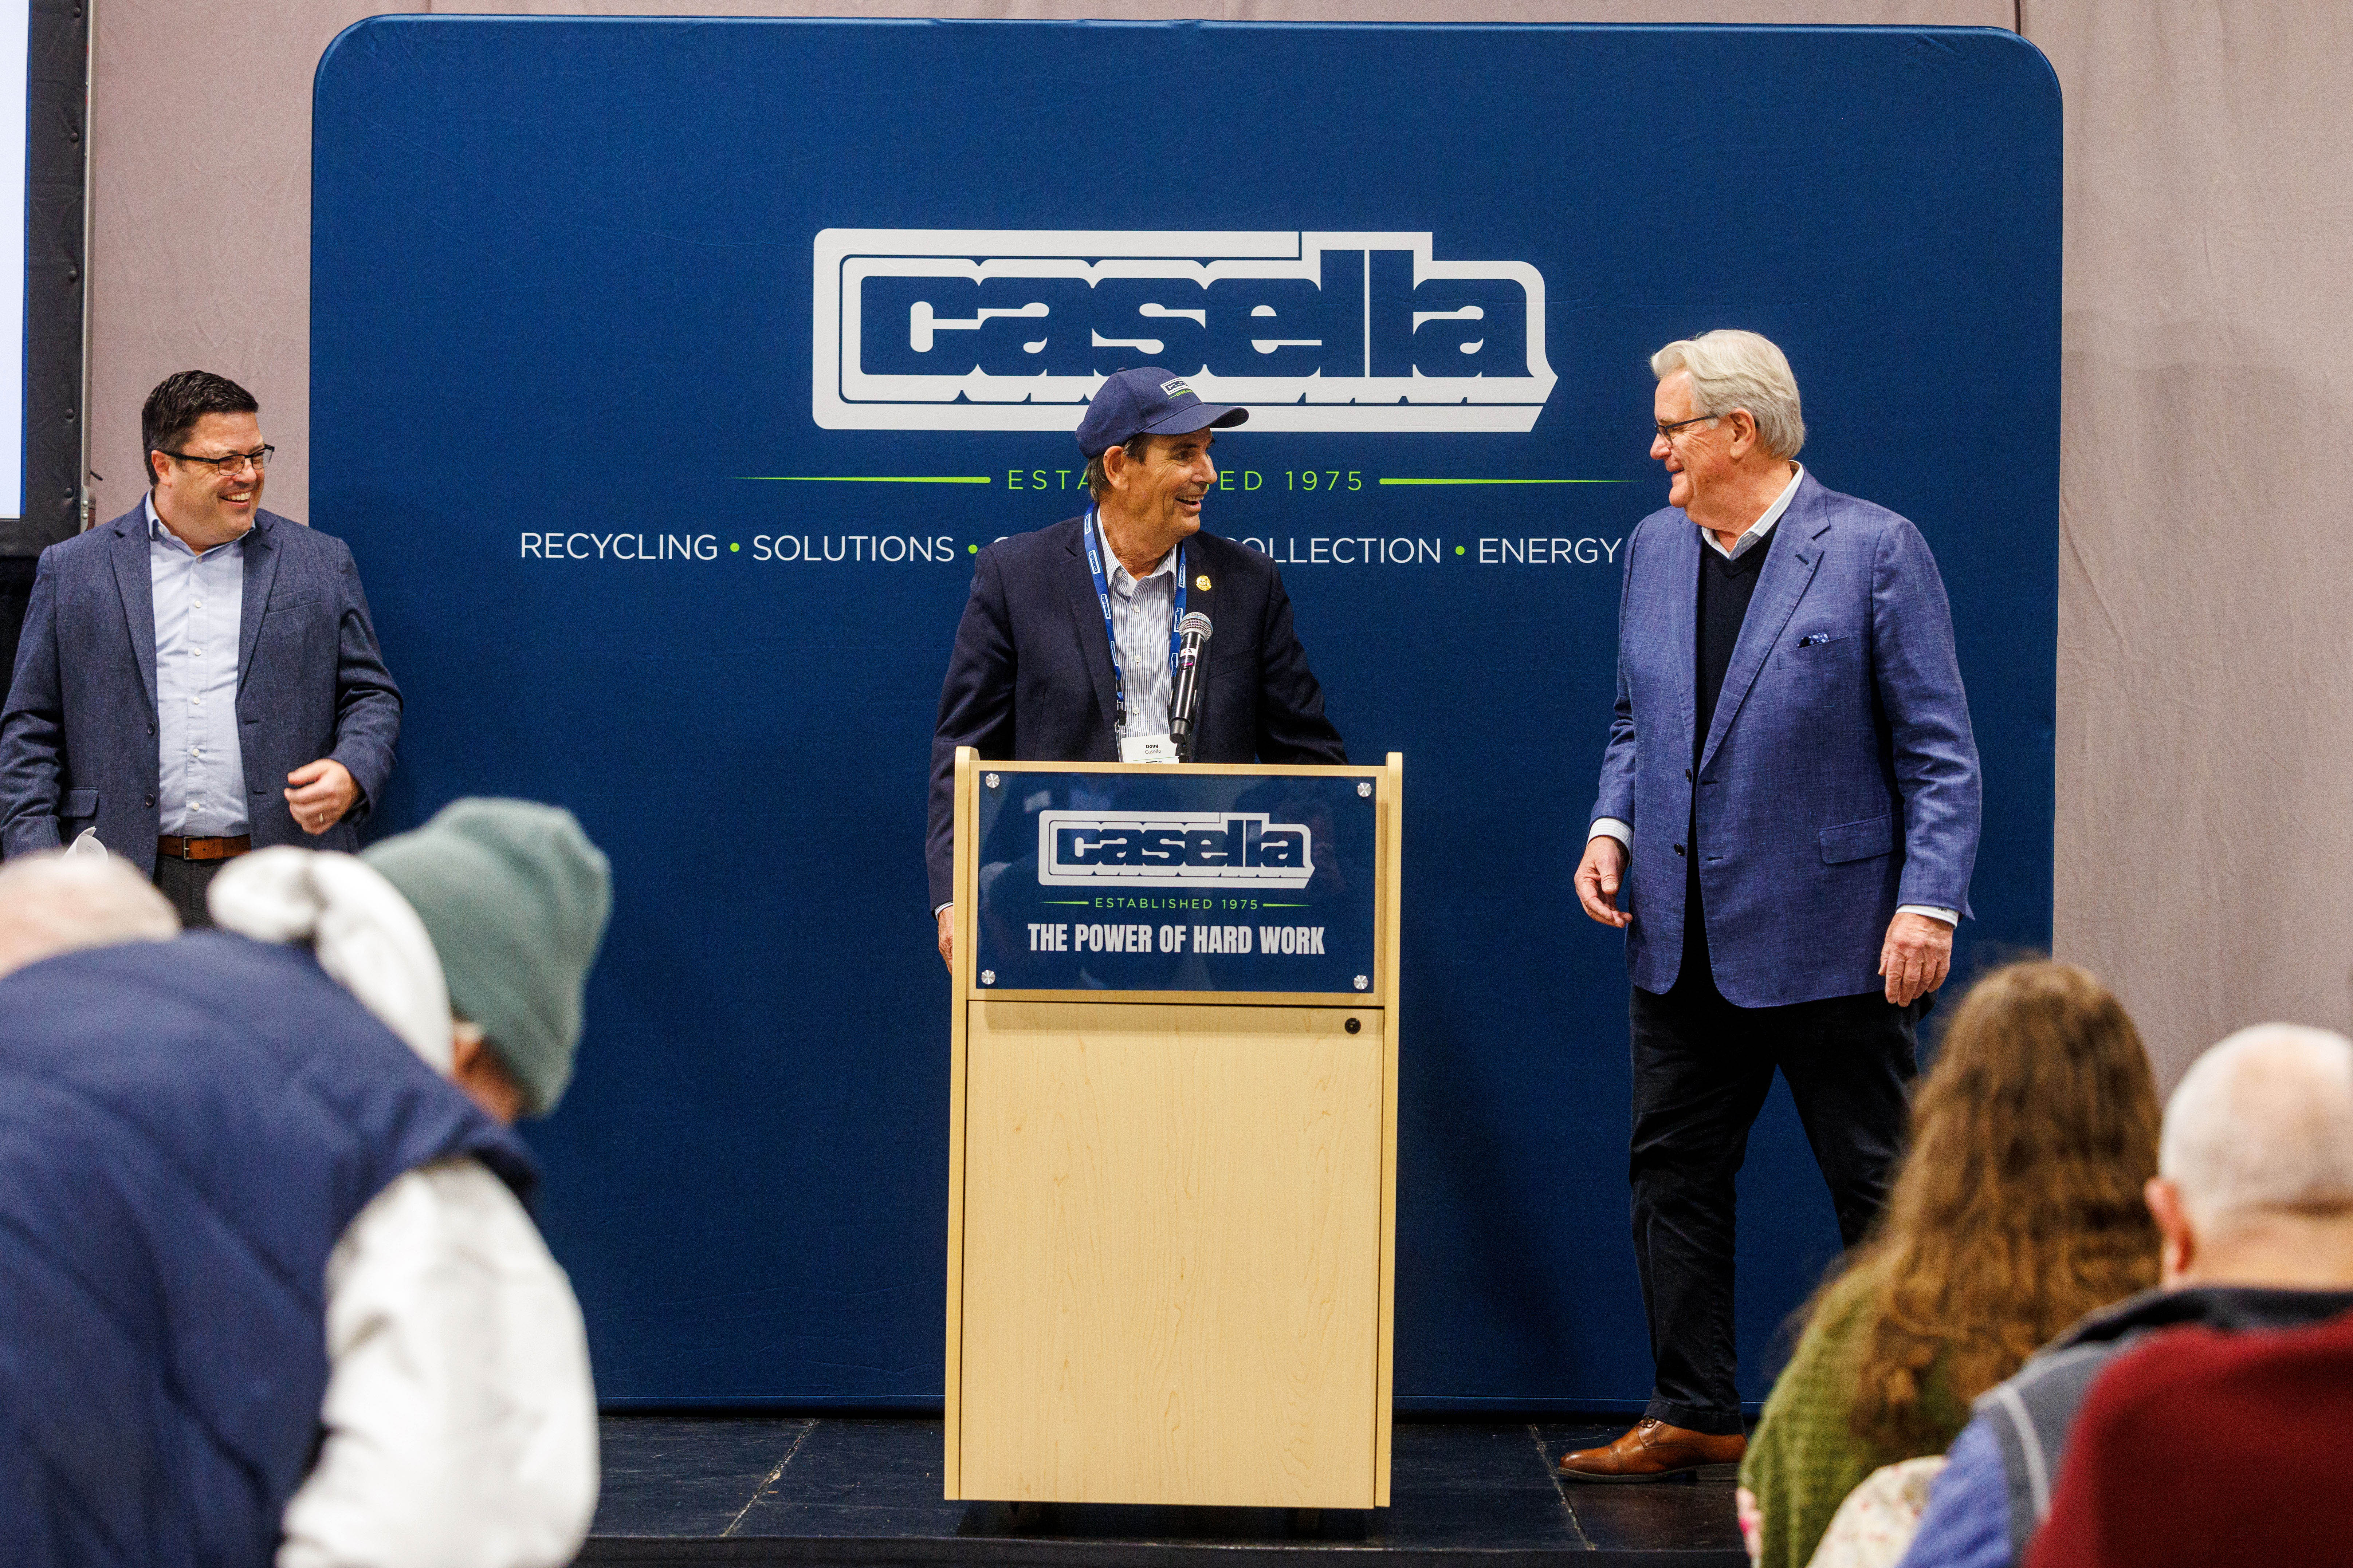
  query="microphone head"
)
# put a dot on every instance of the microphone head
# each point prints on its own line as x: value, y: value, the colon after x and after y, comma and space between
x: 1194, y: 621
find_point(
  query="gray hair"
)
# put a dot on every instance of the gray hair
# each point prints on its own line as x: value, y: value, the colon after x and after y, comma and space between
x: 53, y: 902
x: 2263, y: 1122
x: 1731, y: 369
x: 1137, y: 447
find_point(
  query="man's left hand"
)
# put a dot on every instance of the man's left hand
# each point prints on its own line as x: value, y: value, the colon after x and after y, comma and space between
x: 1917, y: 956
x: 324, y: 790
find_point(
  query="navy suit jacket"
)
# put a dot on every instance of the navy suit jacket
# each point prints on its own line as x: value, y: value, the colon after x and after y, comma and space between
x: 1839, y: 778
x: 1030, y: 679
x: 78, y: 733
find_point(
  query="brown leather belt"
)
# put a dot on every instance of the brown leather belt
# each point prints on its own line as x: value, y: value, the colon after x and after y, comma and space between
x: 204, y: 849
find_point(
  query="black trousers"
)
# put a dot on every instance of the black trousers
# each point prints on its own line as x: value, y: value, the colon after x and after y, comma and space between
x: 1701, y: 1070
x: 184, y: 884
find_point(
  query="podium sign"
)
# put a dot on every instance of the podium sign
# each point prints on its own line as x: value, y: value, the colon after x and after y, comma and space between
x: 1176, y: 879
x: 1172, y: 1191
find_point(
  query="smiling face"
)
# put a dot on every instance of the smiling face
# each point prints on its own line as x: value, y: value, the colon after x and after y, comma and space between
x: 199, y: 501
x: 1167, y: 486
x: 1694, y: 454
x: 1156, y: 499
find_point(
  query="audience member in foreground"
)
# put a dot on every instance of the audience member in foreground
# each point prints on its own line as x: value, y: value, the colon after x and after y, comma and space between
x: 2017, y: 1211
x: 280, y: 1299
x: 2199, y: 1447
x: 2254, y: 1195
x: 54, y: 902
x: 460, y: 1417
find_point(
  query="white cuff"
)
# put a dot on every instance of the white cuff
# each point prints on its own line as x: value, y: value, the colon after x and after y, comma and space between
x: 1950, y: 917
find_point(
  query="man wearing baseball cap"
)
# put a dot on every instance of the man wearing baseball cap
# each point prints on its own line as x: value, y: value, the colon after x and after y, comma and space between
x: 1066, y: 652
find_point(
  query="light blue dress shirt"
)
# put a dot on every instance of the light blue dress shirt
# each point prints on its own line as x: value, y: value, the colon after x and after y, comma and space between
x: 1140, y: 612
x: 199, y: 611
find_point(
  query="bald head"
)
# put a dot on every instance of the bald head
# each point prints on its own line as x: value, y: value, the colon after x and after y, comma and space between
x: 54, y: 903
x: 2254, y: 1179
x: 2264, y: 1122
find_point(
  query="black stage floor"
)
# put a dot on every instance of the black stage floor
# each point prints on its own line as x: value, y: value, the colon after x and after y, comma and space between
x: 865, y: 1491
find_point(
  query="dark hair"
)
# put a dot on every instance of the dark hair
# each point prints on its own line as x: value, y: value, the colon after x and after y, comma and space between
x: 1136, y: 447
x: 180, y: 400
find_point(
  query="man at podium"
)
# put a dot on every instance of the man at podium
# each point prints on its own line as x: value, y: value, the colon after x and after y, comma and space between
x: 1068, y: 648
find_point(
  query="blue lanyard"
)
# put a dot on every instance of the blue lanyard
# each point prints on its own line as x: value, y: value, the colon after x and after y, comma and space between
x: 1102, y: 593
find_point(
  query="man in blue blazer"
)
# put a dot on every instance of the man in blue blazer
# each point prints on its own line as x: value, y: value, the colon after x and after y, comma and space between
x: 1790, y: 806
x: 1064, y: 652
x: 199, y: 676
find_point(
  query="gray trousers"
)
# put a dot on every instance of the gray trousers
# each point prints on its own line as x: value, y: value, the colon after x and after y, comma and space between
x: 182, y: 883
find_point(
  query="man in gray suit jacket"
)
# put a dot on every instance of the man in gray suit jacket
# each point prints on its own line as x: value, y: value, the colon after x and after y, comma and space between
x: 199, y: 676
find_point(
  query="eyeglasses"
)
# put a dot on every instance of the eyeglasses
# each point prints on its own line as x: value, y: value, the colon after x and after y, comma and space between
x: 1667, y: 432
x: 260, y: 458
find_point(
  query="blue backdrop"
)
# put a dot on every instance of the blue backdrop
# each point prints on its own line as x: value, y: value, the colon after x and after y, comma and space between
x: 628, y: 337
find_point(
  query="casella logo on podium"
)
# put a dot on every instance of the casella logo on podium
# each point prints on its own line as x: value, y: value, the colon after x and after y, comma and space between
x: 919, y: 329
x: 1172, y: 850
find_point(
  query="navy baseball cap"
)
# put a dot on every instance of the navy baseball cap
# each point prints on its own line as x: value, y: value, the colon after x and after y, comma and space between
x: 1148, y: 401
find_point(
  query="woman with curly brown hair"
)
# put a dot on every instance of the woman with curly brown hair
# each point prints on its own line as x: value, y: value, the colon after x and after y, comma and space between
x: 2017, y: 1210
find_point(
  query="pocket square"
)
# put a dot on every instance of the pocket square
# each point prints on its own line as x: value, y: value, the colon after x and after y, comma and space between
x: 1813, y: 639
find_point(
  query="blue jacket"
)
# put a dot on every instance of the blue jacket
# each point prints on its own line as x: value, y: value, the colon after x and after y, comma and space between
x: 1838, y: 779
x: 185, y: 1129
x: 78, y: 733
x: 1030, y: 679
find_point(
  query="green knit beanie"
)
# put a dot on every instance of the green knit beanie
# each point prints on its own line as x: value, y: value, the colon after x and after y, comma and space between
x: 514, y: 898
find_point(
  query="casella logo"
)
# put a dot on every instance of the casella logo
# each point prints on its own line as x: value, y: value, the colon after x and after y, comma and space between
x: 1171, y: 849
x: 919, y: 329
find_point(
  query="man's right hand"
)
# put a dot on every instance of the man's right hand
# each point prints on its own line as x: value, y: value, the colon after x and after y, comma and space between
x: 947, y: 935
x: 1598, y: 878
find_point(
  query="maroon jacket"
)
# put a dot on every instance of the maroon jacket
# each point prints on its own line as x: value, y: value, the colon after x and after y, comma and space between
x: 2199, y: 1447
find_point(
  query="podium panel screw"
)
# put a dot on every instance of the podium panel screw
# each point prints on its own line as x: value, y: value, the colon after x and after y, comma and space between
x: 1365, y: 787
x: 988, y: 977
x: 1363, y: 983
x: 1356, y: 1026
x: 991, y: 780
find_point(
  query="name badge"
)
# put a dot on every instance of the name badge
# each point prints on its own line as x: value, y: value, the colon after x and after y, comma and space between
x: 1146, y: 749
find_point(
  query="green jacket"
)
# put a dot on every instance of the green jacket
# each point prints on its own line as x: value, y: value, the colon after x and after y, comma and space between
x: 1805, y: 1457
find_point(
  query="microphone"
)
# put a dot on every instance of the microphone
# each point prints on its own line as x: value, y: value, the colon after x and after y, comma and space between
x: 1192, y: 637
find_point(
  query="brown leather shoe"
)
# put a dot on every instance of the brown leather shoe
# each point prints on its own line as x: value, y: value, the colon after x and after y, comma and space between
x: 1652, y: 1451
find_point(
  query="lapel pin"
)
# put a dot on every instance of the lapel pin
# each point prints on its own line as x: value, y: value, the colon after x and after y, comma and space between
x: 1201, y: 583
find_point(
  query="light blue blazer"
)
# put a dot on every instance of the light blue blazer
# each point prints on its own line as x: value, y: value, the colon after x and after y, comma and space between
x: 1838, y: 779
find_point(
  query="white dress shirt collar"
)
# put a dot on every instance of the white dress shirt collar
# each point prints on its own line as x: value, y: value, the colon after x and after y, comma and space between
x: 160, y: 532
x: 156, y: 532
x: 1756, y: 531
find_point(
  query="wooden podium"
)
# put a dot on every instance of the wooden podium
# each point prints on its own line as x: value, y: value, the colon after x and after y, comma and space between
x: 1172, y: 1185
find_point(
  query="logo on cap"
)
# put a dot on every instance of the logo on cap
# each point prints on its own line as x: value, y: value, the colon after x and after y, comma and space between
x: 918, y: 329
